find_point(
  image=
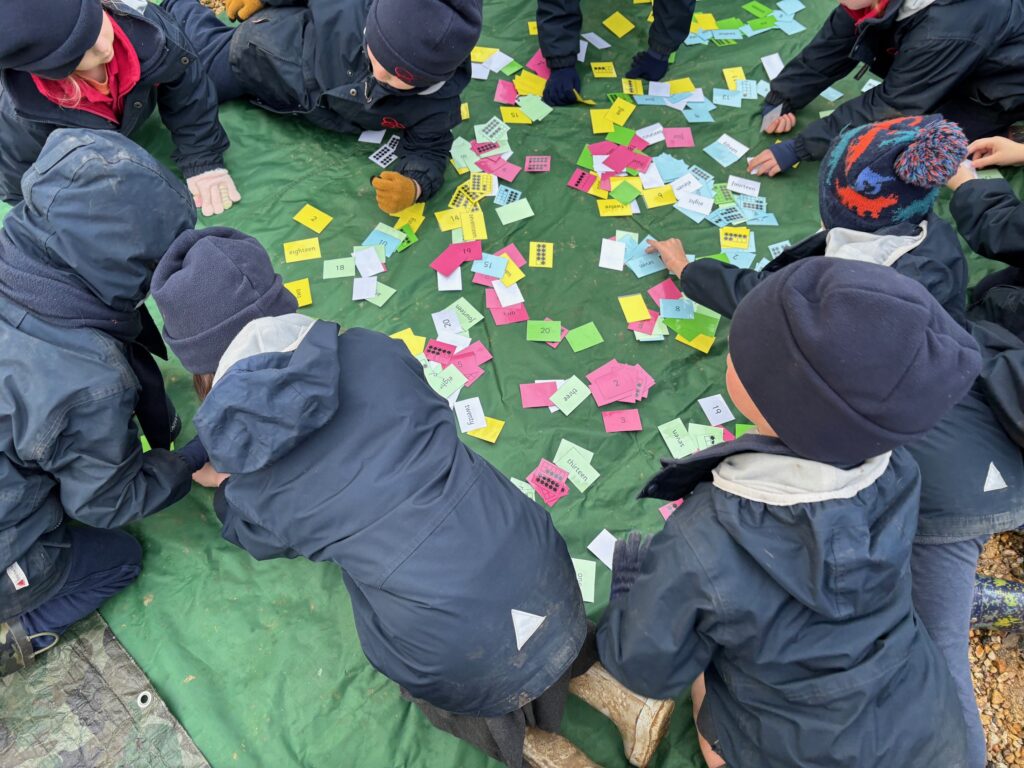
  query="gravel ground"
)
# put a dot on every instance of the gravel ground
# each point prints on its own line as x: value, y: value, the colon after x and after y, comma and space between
x: 998, y: 663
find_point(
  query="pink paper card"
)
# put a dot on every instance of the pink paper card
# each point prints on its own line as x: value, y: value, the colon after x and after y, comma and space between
x: 638, y: 143
x: 606, y: 181
x: 490, y: 164
x: 507, y: 171
x: 581, y: 180
x: 479, y: 147
x: 537, y: 395
x: 479, y: 352
x: 554, y: 344
x: 644, y: 382
x: 678, y: 137
x: 618, y: 159
x: 622, y: 421
x: 481, y: 279
x: 727, y: 435
x: 613, y: 387
x: 645, y: 326
x: 439, y: 352
x: 549, y: 481
x: 538, y: 64
x: 668, y: 509
x: 640, y: 163
x: 610, y: 367
x: 666, y: 289
x: 468, y: 365
x: 507, y: 315
x: 538, y: 163
x: 491, y: 300
x: 602, y: 148
x: 511, y: 252
x: 447, y: 262
x: 506, y: 92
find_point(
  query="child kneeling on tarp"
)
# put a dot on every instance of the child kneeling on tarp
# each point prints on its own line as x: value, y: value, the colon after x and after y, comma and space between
x: 783, y: 584
x: 338, y: 450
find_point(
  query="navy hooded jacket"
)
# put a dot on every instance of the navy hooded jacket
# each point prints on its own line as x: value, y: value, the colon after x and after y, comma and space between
x: 306, y: 57
x: 339, y: 451
x: 929, y: 52
x: 69, y: 447
x: 787, y: 583
x: 172, y: 79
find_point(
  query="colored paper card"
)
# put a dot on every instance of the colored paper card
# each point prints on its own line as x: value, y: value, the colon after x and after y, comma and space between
x: 506, y: 195
x: 625, y: 193
x: 509, y: 315
x: 742, y: 429
x: 513, y: 274
x: 542, y: 255
x: 603, y: 547
x: 515, y: 116
x: 537, y: 163
x: 301, y: 291
x: 549, y: 481
x: 601, y: 121
x: 667, y: 509
x: 314, y: 218
x: 470, y: 415
x: 832, y: 93
x: 576, y: 462
x: 506, y: 93
x: 620, y: 111
x: 679, y: 137
x: 622, y: 421
x: 367, y: 262
x: 543, y: 330
x: 613, y: 254
x: 659, y: 196
x: 467, y: 314
x: 619, y: 25
x: 632, y: 87
x: 302, y: 250
x: 724, y: 97
x: 554, y: 344
x: 491, y: 265
x: 586, y: 577
x: 439, y: 351
x: 734, y: 237
x: 732, y: 75
x: 568, y: 397
x: 602, y: 68
x: 489, y: 432
x: 700, y: 342
x: 634, y: 308
x: 726, y: 150
x: 680, y: 309
x: 539, y: 65
x: 680, y: 443
x: 516, y: 211
x: 757, y: 9
x: 706, y: 436
x: 534, y: 107
x: 446, y: 382
x: 581, y: 180
x: 537, y: 394
x: 716, y: 409
x: 614, y: 208
x: 680, y: 85
x: 334, y: 268
x: 381, y: 294
x: 566, y: 447
x: 584, y: 337
x: 412, y: 342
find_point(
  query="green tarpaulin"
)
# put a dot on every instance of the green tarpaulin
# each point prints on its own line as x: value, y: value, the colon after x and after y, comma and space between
x: 260, y: 661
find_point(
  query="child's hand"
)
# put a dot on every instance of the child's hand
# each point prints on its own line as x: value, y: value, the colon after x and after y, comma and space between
x: 995, y: 150
x: 782, y: 124
x: 964, y: 173
x: 208, y: 477
x: 672, y: 253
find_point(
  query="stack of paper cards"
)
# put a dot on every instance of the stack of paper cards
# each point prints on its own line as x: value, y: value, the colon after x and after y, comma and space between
x: 576, y: 460
x: 548, y: 480
x: 615, y: 382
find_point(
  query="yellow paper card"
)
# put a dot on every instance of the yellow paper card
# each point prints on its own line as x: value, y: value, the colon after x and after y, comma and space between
x: 529, y: 84
x: 480, y: 184
x: 601, y: 120
x: 513, y: 274
x: 490, y: 432
x: 620, y: 111
x: 301, y: 291
x: 302, y: 250
x: 515, y: 116
x: 449, y: 219
x: 413, y: 342
x: 581, y: 100
x: 704, y: 21
x: 632, y: 181
x: 700, y: 342
x: 409, y: 215
x: 531, y: 27
x: 542, y: 255
x: 473, y: 225
x: 619, y: 25
x: 734, y: 237
x: 659, y: 196
x: 481, y: 54
x: 732, y: 75
x: 460, y: 171
x: 682, y: 85
x: 650, y: 16
x: 612, y: 207
x: 313, y: 218
x: 632, y: 87
x: 464, y: 110
x: 634, y: 309
x: 414, y: 223
x: 602, y: 68
x: 596, y: 191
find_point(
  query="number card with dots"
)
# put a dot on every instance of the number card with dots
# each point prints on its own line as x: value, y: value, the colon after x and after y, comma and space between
x: 542, y: 255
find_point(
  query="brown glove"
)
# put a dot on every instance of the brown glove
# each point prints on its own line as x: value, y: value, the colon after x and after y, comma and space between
x: 240, y: 10
x: 395, y: 192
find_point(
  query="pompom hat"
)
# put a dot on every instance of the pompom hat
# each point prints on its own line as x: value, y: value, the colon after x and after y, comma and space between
x: 887, y: 173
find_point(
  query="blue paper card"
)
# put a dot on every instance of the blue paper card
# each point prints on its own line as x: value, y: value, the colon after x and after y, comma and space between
x: 726, y: 98
x: 648, y: 264
x: 506, y: 195
x: 832, y: 93
x: 491, y: 265
x: 681, y: 309
x: 670, y: 168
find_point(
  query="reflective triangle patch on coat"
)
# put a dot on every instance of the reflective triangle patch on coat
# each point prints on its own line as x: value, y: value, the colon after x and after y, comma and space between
x: 525, y: 624
x: 994, y: 479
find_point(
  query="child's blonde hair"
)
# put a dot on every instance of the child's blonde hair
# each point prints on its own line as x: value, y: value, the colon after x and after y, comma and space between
x: 71, y: 97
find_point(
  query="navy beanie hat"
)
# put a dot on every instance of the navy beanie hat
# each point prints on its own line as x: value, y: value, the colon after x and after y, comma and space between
x: 847, y: 360
x: 423, y: 42
x: 882, y: 174
x: 48, y: 37
x: 208, y: 286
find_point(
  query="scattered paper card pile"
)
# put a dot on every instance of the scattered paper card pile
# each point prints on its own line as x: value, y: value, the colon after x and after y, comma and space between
x: 615, y: 382
x: 705, y: 29
x: 572, y: 464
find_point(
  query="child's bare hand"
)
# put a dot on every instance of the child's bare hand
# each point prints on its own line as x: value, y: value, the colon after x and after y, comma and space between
x: 995, y: 150
x: 964, y: 173
x: 782, y: 124
x: 672, y: 253
x: 208, y: 477
x: 764, y: 164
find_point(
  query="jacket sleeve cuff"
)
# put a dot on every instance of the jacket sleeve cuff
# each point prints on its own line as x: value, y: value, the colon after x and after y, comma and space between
x: 193, y: 167
x: 800, y: 146
x: 426, y: 180
x: 561, y: 62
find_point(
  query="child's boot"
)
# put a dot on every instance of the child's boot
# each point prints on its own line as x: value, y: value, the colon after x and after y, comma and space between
x: 641, y: 721
x: 542, y: 749
x: 998, y: 604
x: 16, y: 651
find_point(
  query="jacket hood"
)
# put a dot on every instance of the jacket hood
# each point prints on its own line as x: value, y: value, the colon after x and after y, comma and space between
x: 816, y: 529
x: 276, y: 384
x: 76, y: 213
x: 884, y: 247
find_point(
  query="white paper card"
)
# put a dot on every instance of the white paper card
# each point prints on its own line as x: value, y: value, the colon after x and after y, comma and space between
x: 525, y: 624
x: 372, y: 137
x: 367, y: 262
x: 773, y: 65
x: 716, y: 409
x: 994, y: 479
x: 446, y: 321
x: 613, y: 255
x: 452, y: 282
x: 364, y: 288
x: 744, y: 186
x: 603, y: 547
x: 470, y: 414
x: 596, y: 40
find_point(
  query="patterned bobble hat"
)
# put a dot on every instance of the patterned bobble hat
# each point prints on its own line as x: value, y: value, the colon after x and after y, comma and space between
x: 882, y: 174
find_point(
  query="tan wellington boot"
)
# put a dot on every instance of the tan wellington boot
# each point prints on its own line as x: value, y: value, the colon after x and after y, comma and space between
x: 549, y: 750
x: 641, y: 721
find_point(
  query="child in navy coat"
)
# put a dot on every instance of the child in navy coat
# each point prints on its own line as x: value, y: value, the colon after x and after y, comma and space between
x: 784, y: 578
x: 106, y: 66
x: 959, y: 58
x: 336, y: 449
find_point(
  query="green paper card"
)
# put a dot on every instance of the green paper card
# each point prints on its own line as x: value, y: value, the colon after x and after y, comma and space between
x: 511, y: 68
x: 467, y: 314
x: 581, y: 473
x: 568, y: 397
x: 447, y: 382
x: 625, y: 193
x: 525, y: 487
x: 567, y: 446
x: 680, y: 443
x: 534, y: 107
x: 766, y: 23
x: 584, y: 337
x: 754, y: 9
x: 586, y: 575
x: 339, y: 268
x: 384, y: 292
x: 742, y: 429
x: 732, y: 23
x: 706, y: 436
x: 543, y: 330
x: 621, y: 135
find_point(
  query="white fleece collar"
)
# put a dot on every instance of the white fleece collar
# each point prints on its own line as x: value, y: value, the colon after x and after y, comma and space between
x: 266, y: 334
x: 884, y: 250
x: 910, y: 7
x: 784, y: 481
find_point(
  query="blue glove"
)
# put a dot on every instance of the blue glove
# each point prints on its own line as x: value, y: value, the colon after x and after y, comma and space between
x: 626, y: 562
x: 559, y: 90
x: 648, y: 66
x: 785, y: 154
x: 193, y: 454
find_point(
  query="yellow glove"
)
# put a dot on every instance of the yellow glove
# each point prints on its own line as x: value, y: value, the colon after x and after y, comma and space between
x: 240, y: 10
x: 395, y: 192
